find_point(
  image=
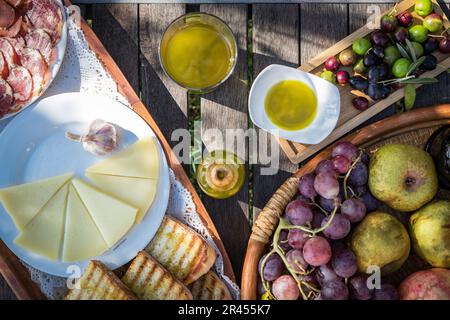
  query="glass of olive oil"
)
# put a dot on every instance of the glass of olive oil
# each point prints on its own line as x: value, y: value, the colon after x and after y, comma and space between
x: 221, y: 174
x: 198, y: 51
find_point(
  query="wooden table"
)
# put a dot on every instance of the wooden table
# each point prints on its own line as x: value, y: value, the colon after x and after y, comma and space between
x: 289, y: 34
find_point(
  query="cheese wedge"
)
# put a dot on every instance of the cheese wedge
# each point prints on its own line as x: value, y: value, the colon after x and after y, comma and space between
x: 23, y: 202
x: 44, y: 234
x: 82, y: 238
x: 113, y: 217
x: 139, y: 160
x: 135, y: 191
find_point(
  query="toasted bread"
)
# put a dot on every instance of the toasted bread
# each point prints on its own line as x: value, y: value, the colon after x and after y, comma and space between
x: 99, y: 283
x: 151, y: 281
x: 181, y: 250
x: 210, y: 287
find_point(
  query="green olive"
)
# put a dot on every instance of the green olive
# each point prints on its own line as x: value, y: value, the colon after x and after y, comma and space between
x: 418, y: 49
x: 418, y: 33
x: 391, y: 54
x: 361, y: 46
x: 359, y: 66
x: 423, y: 7
x: 329, y: 76
x: 400, y: 67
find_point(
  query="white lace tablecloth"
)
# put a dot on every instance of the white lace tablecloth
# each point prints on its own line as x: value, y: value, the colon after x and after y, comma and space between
x: 81, y: 71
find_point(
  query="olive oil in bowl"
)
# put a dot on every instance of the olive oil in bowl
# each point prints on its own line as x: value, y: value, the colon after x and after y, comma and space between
x: 198, y: 51
x: 291, y: 105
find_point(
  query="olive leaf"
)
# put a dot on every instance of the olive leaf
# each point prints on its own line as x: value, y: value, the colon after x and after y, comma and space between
x: 422, y: 80
x: 415, y: 65
x: 403, y: 52
x: 410, y: 96
x: 412, y: 52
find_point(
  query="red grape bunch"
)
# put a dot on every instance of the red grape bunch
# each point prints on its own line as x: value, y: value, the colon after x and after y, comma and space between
x: 309, y: 258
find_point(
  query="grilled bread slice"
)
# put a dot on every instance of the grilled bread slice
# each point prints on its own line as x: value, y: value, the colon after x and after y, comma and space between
x: 99, y: 283
x: 181, y: 250
x: 151, y: 281
x: 210, y: 287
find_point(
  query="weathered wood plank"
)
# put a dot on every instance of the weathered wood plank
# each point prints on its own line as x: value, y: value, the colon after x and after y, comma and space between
x: 322, y: 25
x: 226, y: 108
x: 166, y: 100
x: 116, y: 25
x: 275, y: 40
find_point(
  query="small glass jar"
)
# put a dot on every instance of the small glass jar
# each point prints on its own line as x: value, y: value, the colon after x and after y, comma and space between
x: 221, y: 174
x: 192, y: 60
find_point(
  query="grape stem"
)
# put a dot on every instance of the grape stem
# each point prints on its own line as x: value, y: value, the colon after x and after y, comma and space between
x: 285, y: 225
x: 349, y: 172
x: 325, y: 212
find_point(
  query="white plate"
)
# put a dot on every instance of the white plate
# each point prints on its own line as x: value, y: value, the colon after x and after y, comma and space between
x: 33, y: 146
x: 328, y: 104
x: 60, y: 49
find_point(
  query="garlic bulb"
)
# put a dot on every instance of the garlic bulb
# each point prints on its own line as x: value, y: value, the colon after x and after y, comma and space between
x: 100, y: 139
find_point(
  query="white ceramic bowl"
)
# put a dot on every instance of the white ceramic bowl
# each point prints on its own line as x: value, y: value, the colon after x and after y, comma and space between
x: 328, y: 104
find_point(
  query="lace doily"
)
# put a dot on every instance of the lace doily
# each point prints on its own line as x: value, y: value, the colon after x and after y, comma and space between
x: 81, y: 71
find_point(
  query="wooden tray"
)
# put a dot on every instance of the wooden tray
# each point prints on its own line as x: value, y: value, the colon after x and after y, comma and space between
x: 350, y: 117
x: 413, y: 127
x: 15, y: 274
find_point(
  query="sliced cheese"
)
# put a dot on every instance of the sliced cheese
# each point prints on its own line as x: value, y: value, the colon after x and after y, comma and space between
x: 23, y: 202
x: 113, y: 217
x: 139, y: 160
x: 138, y: 192
x: 44, y: 234
x: 82, y: 238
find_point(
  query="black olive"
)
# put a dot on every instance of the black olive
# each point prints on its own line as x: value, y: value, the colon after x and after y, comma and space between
x: 430, y: 45
x: 429, y: 63
x: 370, y: 59
x: 358, y: 83
x: 385, y: 92
x: 373, y: 74
x: 378, y: 51
x: 377, y: 73
x: 375, y: 91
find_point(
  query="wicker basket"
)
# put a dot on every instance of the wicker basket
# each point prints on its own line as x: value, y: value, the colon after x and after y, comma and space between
x: 414, y: 127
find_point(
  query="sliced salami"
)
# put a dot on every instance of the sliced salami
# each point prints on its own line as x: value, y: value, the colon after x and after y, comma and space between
x: 4, y: 71
x: 46, y: 14
x: 21, y: 82
x: 9, y: 52
x: 40, y: 40
x: 6, y: 98
x: 7, y: 15
x: 13, y: 30
x: 35, y: 63
x: 15, y: 3
x: 18, y: 44
x: 26, y: 26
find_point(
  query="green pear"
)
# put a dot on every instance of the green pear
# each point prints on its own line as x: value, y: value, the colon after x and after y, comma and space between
x: 402, y: 176
x: 380, y: 240
x: 430, y: 233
